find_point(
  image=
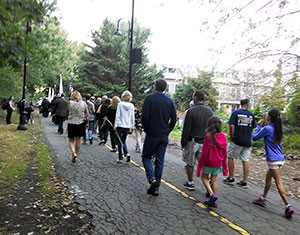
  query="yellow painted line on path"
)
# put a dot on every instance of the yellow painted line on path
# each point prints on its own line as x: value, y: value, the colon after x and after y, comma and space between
x: 201, y: 205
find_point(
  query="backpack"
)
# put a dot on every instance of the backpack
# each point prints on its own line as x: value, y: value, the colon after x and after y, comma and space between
x: 4, y: 105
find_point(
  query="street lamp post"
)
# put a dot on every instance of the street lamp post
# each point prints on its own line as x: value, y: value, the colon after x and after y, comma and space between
x: 130, y: 50
x: 22, y: 104
x: 135, y: 54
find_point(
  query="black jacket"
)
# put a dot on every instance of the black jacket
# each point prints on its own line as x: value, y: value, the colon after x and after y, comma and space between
x: 195, y: 124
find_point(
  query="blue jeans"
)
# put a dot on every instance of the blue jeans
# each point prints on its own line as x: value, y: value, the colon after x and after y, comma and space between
x: 122, y: 132
x: 154, y: 146
x: 91, y: 129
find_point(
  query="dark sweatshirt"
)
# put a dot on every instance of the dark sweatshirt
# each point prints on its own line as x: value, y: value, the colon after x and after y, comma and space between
x: 195, y: 124
x: 158, y: 115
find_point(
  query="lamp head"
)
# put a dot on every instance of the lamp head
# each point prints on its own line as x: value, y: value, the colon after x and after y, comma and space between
x: 118, y: 32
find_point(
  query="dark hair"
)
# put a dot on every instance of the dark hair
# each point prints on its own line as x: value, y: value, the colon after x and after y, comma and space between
x: 214, y: 126
x: 62, y: 95
x: 107, y: 102
x: 10, y: 98
x: 199, y: 95
x: 160, y: 85
x: 88, y: 96
x: 275, y: 119
x: 245, y: 102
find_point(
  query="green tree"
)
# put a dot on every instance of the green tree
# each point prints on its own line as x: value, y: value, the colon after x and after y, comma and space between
x: 203, y: 82
x: 104, y: 67
x: 276, y: 99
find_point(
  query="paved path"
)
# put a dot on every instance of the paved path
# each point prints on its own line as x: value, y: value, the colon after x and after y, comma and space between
x: 115, y: 194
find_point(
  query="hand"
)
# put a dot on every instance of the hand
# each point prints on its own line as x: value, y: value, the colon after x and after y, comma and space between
x: 262, y: 123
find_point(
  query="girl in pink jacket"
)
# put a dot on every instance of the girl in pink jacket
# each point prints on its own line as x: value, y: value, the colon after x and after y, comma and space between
x: 213, y: 159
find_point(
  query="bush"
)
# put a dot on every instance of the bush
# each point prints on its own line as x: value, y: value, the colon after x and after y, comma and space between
x: 291, y: 143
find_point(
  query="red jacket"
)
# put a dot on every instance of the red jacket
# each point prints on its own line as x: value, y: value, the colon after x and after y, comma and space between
x: 214, y: 155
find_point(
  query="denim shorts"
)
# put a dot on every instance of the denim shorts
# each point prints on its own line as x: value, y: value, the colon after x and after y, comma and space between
x: 191, y: 153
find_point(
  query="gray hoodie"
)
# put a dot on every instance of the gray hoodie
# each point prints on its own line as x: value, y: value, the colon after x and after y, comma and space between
x: 125, y: 115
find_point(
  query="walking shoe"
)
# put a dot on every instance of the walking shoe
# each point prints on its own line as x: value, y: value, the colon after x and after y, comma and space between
x: 138, y: 151
x: 155, y: 193
x: 211, y: 202
x: 189, y: 185
x: 153, y: 186
x: 127, y: 158
x: 228, y: 180
x: 113, y: 150
x: 119, y: 161
x: 260, y: 200
x: 242, y: 184
x: 91, y: 141
x: 288, y: 212
x: 102, y: 142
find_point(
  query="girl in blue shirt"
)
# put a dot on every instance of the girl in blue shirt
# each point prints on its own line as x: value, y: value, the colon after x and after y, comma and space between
x: 271, y: 131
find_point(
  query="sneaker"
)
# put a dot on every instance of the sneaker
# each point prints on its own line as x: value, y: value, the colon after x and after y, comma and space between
x: 229, y: 180
x: 84, y: 143
x: 189, y: 186
x: 242, y: 184
x: 211, y: 202
x: 102, y: 142
x: 155, y: 193
x: 260, y: 200
x: 119, y: 161
x: 153, y: 186
x: 91, y: 141
x: 113, y: 150
x: 288, y: 212
x: 127, y: 158
x: 138, y: 151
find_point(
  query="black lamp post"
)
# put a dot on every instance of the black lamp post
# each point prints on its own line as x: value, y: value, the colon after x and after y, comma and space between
x: 134, y: 54
x: 22, y: 104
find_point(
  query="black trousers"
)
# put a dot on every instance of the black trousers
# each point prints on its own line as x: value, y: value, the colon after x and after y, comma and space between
x: 60, y: 122
x: 8, y: 116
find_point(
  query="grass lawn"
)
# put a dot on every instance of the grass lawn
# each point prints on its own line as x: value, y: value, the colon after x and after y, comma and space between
x: 20, y: 150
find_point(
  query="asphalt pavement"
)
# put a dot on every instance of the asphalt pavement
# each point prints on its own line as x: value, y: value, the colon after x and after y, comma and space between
x: 115, y: 195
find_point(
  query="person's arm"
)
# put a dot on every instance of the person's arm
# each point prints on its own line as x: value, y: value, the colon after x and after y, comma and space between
x: 231, y: 131
x: 224, y: 164
x: 132, y: 118
x: 186, y: 132
x: 87, y: 112
x: 146, y: 114
x: 259, y: 132
x: 204, y: 154
x: 99, y: 109
x: 173, y: 118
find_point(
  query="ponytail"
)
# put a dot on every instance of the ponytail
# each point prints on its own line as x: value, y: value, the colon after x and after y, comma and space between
x: 214, y: 126
x: 275, y: 119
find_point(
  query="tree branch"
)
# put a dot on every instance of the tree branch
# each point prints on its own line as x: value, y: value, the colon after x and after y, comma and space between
x: 290, y: 13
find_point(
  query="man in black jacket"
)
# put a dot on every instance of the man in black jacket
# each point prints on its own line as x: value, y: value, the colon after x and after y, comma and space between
x: 158, y: 119
x: 193, y: 134
x: 61, y: 112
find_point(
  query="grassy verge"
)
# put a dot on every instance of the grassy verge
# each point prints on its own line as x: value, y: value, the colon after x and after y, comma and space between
x: 19, y: 150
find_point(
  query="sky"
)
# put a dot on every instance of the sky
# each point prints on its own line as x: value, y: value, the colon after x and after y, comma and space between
x: 177, y: 39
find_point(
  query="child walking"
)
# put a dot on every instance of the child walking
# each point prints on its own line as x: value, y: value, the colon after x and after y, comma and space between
x: 213, y: 159
x: 272, y: 133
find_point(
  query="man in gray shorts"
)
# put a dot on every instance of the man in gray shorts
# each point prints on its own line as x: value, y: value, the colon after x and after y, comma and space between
x: 241, y: 124
x: 193, y: 133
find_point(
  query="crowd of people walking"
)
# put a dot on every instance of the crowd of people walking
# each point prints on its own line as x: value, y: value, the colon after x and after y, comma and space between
x: 204, y: 145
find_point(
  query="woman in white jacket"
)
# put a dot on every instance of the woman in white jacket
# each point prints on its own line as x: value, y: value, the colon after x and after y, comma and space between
x: 123, y: 123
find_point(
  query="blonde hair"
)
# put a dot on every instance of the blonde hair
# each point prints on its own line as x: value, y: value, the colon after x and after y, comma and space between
x: 126, y: 96
x: 114, y: 102
x: 76, y: 96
